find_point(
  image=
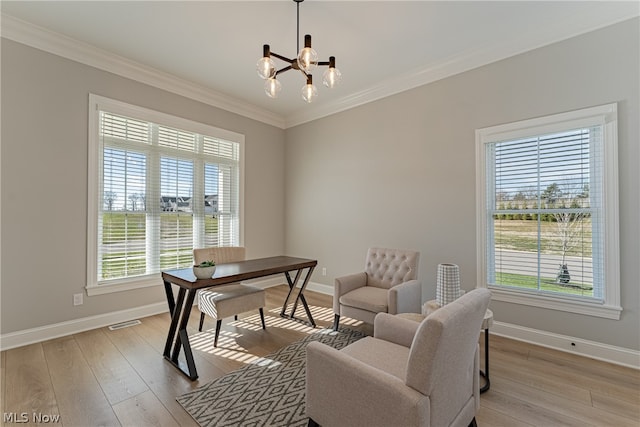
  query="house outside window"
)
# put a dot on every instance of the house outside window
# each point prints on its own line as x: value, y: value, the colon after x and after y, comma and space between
x: 160, y: 186
x: 547, y: 212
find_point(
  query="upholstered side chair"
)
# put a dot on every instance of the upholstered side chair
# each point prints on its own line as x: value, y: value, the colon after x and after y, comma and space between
x: 387, y: 285
x: 407, y: 374
x: 220, y: 302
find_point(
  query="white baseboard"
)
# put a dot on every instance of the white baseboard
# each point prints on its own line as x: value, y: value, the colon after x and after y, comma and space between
x: 320, y: 288
x: 594, y: 350
x: 56, y: 330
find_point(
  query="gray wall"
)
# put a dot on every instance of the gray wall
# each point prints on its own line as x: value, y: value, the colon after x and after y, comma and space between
x: 44, y: 183
x: 400, y: 172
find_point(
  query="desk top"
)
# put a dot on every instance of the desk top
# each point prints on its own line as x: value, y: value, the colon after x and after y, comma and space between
x: 237, y: 271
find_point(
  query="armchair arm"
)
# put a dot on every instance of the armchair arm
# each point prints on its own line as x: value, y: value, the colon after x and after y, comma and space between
x: 338, y: 383
x: 345, y: 284
x: 394, y: 329
x: 405, y: 297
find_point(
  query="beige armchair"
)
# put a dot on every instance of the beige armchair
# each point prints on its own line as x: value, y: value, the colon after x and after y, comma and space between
x: 387, y: 285
x: 228, y: 300
x: 408, y: 374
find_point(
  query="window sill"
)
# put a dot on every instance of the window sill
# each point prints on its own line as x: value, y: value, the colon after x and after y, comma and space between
x: 124, y: 285
x: 579, y: 307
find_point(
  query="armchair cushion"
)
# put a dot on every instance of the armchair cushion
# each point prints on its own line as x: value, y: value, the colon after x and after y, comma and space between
x: 367, y: 298
x: 384, y: 355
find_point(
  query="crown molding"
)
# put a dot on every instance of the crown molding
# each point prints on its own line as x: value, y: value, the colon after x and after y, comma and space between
x: 41, y: 38
x: 66, y: 47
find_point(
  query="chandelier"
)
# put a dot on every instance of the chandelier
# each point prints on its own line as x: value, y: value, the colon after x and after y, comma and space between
x: 305, y: 62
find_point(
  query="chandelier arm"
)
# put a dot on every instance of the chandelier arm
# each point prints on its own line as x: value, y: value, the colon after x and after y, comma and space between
x: 283, y: 58
x: 284, y: 69
x: 324, y: 63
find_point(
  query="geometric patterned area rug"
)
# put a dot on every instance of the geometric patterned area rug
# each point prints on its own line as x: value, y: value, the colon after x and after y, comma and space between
x: 268, y: 392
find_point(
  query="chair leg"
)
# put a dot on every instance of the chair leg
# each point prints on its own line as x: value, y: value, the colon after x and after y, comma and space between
x: 336, y: 321
x: 201, y: 321
x: 264, y: 326
x: 312, y: 423
x: 218, y: 326
x: 473, y: 423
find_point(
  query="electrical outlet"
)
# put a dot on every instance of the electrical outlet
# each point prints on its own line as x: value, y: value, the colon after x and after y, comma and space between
x: 324, y: 271
x: 77, y: 299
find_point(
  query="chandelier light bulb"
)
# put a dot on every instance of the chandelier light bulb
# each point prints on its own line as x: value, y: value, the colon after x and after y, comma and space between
x: 332, y: 76
x: 307, y: 58
x: 272, y: 87
x: 266, y: 67
x: 309, y: 91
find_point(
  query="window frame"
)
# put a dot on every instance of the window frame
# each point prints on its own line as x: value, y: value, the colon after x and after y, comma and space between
x: 98, y: 103
x: 604, y: 115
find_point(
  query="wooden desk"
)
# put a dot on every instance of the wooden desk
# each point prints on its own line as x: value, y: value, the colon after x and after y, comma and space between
x: 188, y: 284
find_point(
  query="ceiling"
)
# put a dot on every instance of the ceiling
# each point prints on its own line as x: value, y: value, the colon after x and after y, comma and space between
x: 381, y: 47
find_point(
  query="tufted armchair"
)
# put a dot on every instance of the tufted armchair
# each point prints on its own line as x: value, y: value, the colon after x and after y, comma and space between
x: 387, y: 285
x: 408, y: 374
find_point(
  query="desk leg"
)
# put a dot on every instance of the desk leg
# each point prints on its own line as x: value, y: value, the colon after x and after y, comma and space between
x: 303, y: 299
x: 178, y: 333
x: 292, y: 285
x: 485, y: 374
x: 169, y: 291
x: 175, y: 317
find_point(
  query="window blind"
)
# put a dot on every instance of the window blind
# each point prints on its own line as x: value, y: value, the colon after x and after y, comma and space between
x: 163, y: 192
x: 544, y: 206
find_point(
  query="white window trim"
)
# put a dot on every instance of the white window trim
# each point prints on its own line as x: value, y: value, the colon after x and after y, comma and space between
x: 605, y: 115
x: 97, y: 103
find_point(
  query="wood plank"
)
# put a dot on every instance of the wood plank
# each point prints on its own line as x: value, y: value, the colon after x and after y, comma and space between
x: 523, y: 372
x: 584, y: 414
x: 617, y: 405
x: 523, y: 411
x: 490, y: 418
x: 28, y: 385
x: 163, y: 379
x: 144, y: 410
x: 81, y: 401
x: 569, y: 372
x: 118, y: 379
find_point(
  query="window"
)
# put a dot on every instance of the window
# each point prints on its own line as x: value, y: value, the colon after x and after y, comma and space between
x: 548, y: 212
x: 159, y: 187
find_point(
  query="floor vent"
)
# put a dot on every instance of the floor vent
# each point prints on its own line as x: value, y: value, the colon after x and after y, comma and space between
x: 124, y: 325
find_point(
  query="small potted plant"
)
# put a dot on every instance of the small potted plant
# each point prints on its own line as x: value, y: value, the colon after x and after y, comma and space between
x: 204, y: 270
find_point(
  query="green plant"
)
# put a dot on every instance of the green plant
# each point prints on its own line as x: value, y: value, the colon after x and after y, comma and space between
x: 209, y: 263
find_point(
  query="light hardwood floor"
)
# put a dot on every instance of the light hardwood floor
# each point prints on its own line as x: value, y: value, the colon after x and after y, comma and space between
x: 104, y: 377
